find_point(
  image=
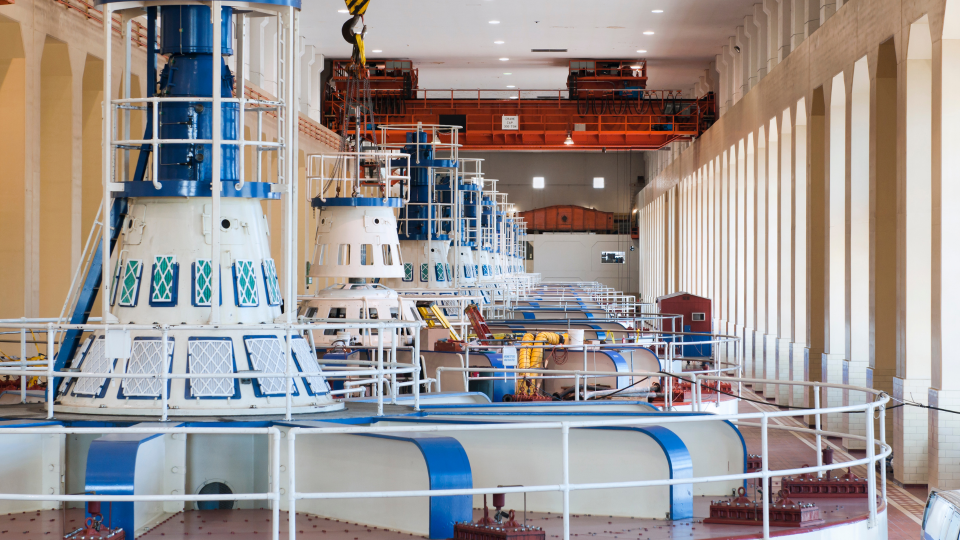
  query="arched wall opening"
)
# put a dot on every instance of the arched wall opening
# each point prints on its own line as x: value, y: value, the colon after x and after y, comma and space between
x: 799, y: 355
x: 747, y: 256
x: 859, y: 269
x: 91, y: 120
x: 835, y: 329
x: 56, y: 177
x: 738, y: 211
x: 773, y: 254
x: 913, y: 363
x: 816, y: 211
x: 12, y: 156
x: 884, y: 244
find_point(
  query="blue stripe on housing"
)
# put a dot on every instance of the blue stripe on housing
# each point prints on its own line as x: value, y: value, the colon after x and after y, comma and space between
x: 621, y: 365
x: 391, y: 202
x: 192, y: 188
x: 448, y: 467
x: 528, y: 315
x: 679, y: 462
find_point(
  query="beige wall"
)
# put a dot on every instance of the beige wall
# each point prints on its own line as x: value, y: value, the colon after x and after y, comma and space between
x: 855, y: 116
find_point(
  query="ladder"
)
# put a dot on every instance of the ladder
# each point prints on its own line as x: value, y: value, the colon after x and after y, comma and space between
x: 434, y: 317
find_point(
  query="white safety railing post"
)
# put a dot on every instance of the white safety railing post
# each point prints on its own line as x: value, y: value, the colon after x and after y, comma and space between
x: 883, y: 441
x: 23, y: 361
x: 380, y: 374
x: 292, y: 482
x: 288, y: 351
x: 695, y: 386
x: 565, y: 435
x: 50, y: 359
x: 164, y: 368
x: 871, y: 474
x: 816, y: 407
x: 765, y: 468
x: 394, y: 364
x: 576, y: 386
x: 275, y: 463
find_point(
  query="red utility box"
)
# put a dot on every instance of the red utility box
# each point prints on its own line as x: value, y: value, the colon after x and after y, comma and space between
x: 696, y: 311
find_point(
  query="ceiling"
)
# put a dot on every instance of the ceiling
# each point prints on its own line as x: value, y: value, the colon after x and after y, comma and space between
x: 452, y: 41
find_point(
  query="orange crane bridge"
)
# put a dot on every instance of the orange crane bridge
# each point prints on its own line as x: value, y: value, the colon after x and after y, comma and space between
x: 605, y: 105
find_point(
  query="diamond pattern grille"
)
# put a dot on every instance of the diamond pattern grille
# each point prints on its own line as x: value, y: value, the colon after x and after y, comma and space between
x: 163, y: 278
x: 130, y: 283
x: 424, y: 272
x: 203, y: 282
x: 439, y: 268
x: 273, y: 285
x: 146, y: 357
x: 211, y: 356
x: 267, y: 355
x: 308, y: 363
x: 408, y: 271
x: 94, y: 362
x: 246, y: 283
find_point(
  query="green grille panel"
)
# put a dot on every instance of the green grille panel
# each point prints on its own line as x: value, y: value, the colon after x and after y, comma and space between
x: 130, y: 284
x: 246, y: 283
x: 162, y: 290
x: 203, y: 282
x: 273, y: 284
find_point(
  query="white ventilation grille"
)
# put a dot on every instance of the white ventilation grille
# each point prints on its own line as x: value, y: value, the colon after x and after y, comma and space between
x: 267, y: 355
x: 211, y: 356
x: 146, y: 358
x: 93, y: 362
x: 308, y: 363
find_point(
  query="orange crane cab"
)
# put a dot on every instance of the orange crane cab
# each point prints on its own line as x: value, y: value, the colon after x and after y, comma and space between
x: 594, y: 78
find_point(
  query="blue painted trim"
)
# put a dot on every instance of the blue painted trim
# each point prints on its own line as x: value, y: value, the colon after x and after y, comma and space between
x: 175, y: 284
x: 266, y: 285
x: 427, y: 407
x: 136, y: 294
x: 621, y: 366
x: 448, y: 467
x: 233, y: 353
x: 257, y: 391
x: 193, y: 188
x: 170, y: 347
x: 679, y: 462
x: 4, y: 424
x: 408, y: 397
x: 528, y: 315
x: 390, y: 202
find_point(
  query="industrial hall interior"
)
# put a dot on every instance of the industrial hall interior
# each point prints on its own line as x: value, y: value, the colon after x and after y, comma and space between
x: 479, y: 269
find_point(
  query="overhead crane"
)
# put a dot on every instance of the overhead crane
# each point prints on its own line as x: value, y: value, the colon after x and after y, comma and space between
x: 606, y: 105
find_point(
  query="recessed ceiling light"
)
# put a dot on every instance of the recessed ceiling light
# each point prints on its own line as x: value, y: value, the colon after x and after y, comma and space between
x: 377, y: 51
x: 642, y: 51
x: 498, y: 43
x: 648, y: 33
x: 342, y: 11
x: 513, y: 97
x: 504, y: 59
x: 635, y: 67
x: 494, y: 22
x: 511, y: 86
x: 657, y: 11
x: 508, y: 73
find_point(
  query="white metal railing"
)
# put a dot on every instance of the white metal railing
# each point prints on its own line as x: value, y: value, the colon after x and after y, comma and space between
x: 764, y: 474
x: 357, y: 174
x: 876, y: 451
x: 380, y: 368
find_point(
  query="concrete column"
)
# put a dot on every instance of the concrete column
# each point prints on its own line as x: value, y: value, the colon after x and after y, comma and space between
x: 749, y: 52
x: 784, y: 29
x: 812, y: 17
x: 798, y: 19
x: 742, y: 61
x: 307, y: 63
x: 723, y: 95
x: 772, y: 9
x: 762, y: 45
x: 827, y: 9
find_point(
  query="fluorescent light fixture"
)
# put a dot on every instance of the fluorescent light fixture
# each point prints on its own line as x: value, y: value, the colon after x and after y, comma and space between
x: 642, y: 51
x: 657, y: 11
x: 377, y: 51
x: 648, y: 33
x: 511, y: 86
x: 498, y: 42
x: 494, y: 22
x: 631, y: 67
x: 504, y: 59
x: 508, y: 73
x: 537, y: 182
x: 598, y: 182
x: 514, y: 97
x: 342, y: 11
